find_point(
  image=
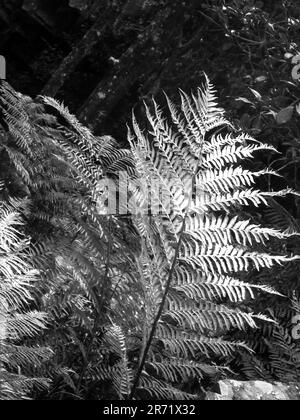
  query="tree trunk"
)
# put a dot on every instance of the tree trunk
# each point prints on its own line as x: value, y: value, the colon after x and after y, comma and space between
x: 78, y: 53
x: 145, y: 57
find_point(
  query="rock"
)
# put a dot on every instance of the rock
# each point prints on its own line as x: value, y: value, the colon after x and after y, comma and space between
x: 232, y: 390
x: 264, y: 387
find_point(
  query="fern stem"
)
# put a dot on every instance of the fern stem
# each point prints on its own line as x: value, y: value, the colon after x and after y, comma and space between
x: 167, y: 289
x: 158, y: 316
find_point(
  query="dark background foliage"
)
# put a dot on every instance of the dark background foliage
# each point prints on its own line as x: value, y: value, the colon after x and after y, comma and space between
x: 131, y: 50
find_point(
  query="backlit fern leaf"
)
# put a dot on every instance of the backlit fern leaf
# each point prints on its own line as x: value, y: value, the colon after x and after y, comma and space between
x: 17, y: 280
x: 206, y: 246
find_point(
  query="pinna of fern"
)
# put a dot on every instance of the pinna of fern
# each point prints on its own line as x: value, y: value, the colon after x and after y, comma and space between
x: 18, y: 278
x: 276, y: 348
x: 195, y: 248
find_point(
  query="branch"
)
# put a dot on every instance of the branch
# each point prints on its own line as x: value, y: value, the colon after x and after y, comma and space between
x: 71, y: 61
x: 144, y: 57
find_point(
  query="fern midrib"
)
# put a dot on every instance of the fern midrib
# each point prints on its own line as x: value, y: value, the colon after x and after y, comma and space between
x: 168, y: 284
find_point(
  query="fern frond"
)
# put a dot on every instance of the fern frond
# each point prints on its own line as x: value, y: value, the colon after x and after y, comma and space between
x: 17, y: 281
x: 206, y: 246
x: 192, y: 345
x: 213, y: 286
